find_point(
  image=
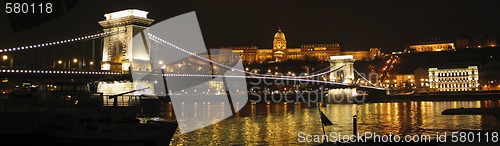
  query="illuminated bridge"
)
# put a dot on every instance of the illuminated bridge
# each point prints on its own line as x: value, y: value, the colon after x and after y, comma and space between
x: 117, y: 48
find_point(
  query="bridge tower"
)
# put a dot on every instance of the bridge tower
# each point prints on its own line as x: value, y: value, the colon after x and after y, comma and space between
x: 344, y: 74
x: 117, y: 49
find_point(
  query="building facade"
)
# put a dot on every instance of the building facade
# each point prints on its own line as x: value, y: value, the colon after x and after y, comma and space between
x: 281, y: 51
x: 363, y: 55
x: 454, y: 79
x: 421, y: 80
x: 466, y: 42
x: 417, y: 80
x: 432, y: 46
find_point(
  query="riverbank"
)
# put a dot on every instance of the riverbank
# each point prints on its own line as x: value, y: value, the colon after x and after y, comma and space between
x: 433, y: 96
x: 439, y: 96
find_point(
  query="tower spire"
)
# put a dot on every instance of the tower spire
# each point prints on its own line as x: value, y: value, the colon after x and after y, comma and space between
x: 279, y: 28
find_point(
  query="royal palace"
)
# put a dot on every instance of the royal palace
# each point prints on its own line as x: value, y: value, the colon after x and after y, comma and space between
x: 281, y: 51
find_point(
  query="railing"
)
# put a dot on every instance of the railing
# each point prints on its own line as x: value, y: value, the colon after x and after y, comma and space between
x: 124, y: 100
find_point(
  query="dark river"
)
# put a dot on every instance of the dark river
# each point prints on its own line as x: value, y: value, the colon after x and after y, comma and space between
x: 279, y: 123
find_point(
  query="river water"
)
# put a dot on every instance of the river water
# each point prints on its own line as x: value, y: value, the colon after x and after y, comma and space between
x: 280, y: 123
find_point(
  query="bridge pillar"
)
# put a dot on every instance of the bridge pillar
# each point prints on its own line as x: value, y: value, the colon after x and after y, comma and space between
x: 344, y: 74
x: 117, y: 49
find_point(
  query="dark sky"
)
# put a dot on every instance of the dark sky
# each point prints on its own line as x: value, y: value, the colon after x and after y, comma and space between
x: 354, y: 24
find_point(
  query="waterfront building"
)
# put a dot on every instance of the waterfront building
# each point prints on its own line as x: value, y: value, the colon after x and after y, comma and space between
x: 281, y: 51
x: 421, y: 80
x: 454, y: 79
x: 417, y: 80
x: 406, y: 81
x: 400, y: 82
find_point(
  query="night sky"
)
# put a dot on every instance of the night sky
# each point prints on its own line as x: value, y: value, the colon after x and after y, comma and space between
x: 354, y: 24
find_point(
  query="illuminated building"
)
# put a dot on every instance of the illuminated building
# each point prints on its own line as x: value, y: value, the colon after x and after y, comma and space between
x: 406, y: 81
x: 433, y: 46
x: 281, y: 51
x: 421, y: 79
x: 363, y: 55
x: 454, y: 79
x: 401, y: 82
x: 465, y: 42
x: 320, y: 51
x: 417, y: 80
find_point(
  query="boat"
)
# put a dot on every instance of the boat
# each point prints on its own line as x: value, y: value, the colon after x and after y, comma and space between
x: 70, y: 112
x: 116, y: 124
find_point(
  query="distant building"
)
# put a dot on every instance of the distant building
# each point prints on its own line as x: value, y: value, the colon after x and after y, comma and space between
x: 432, y: 46
x: 466, y: 42
x: 417, y: 80
x: 405, y: 81
x: 363, y: 55
x: 454, y: 79
x: 281, y: 51
x: 421, y: 79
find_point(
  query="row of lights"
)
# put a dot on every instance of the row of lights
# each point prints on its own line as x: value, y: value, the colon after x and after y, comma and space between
x: 74, y: 61
x: 151, y: 36
x: 233, y: 76
x: 257, y: 77
x: 94, y: 36
x: 59, y: 72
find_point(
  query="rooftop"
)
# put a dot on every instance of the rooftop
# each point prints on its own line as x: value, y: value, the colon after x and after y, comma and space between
x: 125, y: 13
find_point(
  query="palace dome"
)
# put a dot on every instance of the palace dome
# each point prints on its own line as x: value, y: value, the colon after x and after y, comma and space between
x: 279, y: 35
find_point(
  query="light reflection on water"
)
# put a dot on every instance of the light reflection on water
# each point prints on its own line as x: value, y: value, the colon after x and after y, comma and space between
x: 279, y: 123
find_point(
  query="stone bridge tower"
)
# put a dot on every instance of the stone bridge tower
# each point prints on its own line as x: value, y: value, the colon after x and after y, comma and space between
x: 344, y: 74
x: 117, y: 49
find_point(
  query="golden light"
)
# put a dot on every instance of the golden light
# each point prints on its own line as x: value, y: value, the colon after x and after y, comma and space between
x: 75, y: 60
x: 125, y: 13
x: 91, y: 63
x: 160, y: 62
x: 59, y: 62
x: 5, y: 57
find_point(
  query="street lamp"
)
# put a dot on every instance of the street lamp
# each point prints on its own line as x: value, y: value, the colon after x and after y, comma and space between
x: 76, y: 66
x: 6, y: 58
x: 91, y: 65
x: 59, y: 62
